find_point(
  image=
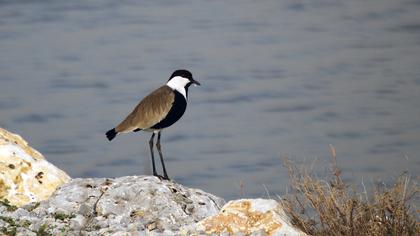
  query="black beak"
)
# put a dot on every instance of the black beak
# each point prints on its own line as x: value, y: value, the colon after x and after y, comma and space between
x: 195, y: 82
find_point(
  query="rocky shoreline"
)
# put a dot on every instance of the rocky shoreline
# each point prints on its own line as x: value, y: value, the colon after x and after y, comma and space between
x: 52, y: 203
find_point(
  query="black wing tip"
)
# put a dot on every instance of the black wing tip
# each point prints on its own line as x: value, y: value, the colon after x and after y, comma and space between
x: 110, y: 135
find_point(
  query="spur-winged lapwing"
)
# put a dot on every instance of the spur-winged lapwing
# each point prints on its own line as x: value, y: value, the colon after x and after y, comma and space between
x: 158, y: 110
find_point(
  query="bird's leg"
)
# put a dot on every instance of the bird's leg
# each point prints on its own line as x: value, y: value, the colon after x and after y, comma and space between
x: 165, y: 175
x: 151, y: 152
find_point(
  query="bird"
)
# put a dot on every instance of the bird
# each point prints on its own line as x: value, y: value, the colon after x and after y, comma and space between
x: 157, y: 111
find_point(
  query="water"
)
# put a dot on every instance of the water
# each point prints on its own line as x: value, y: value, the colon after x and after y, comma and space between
x: 279, y: 78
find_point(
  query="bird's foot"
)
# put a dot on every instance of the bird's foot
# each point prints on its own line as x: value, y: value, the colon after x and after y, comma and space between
x: 162, y: 177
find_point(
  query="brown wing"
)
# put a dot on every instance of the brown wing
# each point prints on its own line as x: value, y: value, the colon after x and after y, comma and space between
x: 149, y: 111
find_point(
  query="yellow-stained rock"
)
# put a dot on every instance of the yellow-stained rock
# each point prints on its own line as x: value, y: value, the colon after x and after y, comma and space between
x: 250, y: 216
x: 25, y: 175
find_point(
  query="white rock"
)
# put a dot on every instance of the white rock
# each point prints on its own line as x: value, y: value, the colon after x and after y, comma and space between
x: 131, y: 205
x: 77, y: 222
x: 250, y: 217
x: 25, y: 175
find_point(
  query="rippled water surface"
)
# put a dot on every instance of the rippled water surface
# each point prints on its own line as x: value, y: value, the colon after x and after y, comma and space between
x: 279, y: 78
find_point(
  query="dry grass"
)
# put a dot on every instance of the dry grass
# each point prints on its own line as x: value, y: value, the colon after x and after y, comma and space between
x: 332, y: 207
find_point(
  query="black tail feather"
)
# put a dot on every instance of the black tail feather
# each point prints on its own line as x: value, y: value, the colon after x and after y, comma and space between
x: 111, y: 134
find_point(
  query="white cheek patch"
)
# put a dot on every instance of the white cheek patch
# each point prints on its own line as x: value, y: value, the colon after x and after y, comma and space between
x: 178, y: 83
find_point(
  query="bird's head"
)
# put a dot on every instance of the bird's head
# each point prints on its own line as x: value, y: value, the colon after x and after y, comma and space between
x: 181, y: 79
